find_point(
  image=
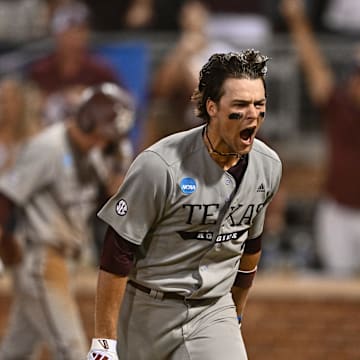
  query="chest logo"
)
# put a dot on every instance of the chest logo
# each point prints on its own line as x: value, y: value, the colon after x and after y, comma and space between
x: 261, y: 188
x: 187, y: 185
x: 121, y: 207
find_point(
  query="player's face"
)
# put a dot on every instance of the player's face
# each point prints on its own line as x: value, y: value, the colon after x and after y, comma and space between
x: 75, y: 38
x: 238, y: 116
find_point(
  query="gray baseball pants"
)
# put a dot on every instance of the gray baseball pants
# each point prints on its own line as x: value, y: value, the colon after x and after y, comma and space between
x: 170, y: 329
x: 44, y: 310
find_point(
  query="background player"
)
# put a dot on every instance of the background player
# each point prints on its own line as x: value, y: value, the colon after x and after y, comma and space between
x: 184, y: 236
x: 53, y: 186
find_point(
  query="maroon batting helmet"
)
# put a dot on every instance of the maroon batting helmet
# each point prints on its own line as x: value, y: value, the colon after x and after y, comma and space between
x: 106, y: 107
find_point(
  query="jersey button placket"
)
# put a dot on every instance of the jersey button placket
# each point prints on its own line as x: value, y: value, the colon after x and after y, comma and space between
x: 229, y: 189
x: 228, y: 181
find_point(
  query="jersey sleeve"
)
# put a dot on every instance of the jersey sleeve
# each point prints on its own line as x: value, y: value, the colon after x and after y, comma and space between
x: 34, y: 168
x: 258, y: 225
x: 141, y: 199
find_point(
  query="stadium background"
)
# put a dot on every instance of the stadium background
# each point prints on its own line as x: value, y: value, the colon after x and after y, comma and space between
x: 294, y: 311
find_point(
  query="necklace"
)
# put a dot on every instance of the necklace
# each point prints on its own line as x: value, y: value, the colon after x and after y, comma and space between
x: 212, y: 150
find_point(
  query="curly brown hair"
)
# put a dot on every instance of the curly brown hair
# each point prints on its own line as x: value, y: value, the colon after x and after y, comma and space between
x: 248, y: 64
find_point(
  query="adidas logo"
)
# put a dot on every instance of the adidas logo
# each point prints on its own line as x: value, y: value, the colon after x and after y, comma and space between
x: 261, y: 188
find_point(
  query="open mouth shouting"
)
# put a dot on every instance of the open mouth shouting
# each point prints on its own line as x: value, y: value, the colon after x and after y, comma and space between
x: 247, y: 135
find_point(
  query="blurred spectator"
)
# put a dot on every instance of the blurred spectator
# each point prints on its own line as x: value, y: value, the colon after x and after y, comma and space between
x: 314, y: 10
x: 161, y: 15
x: 342, y: 17
x: 176, y: 77
x: 71, y: 67
x: 338, y: 213
x: 247, y: 23
x: 22, y: 21
x: 156, y: 15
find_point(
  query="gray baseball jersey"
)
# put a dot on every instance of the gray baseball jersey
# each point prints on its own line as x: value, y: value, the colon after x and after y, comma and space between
x: 187, y: 215
x: 56, y: 194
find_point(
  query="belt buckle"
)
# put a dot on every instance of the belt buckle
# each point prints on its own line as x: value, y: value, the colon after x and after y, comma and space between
x: 158, y: 295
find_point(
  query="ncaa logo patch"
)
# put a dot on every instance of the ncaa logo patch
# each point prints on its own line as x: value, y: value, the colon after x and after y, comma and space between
x: 121, y: 207
x: 187, y: 185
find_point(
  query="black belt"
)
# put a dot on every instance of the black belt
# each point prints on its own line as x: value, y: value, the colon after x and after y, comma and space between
x: 157, y: 294
x: 162, y: 295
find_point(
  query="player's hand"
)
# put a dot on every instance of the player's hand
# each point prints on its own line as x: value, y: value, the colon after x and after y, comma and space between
x: 292, y: 9
x: 103, y: 349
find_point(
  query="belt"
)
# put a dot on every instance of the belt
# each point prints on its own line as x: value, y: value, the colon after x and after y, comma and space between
x: 162, y: 295
x: 157, y: 294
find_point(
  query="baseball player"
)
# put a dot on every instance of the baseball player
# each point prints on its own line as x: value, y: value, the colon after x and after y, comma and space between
x: 184, y: 234
x: 53, y: 189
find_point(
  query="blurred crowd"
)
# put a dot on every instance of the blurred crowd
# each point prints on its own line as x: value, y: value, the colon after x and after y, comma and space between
x: 48, y: 90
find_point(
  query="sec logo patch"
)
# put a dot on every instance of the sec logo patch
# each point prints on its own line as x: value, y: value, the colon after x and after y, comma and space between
x: 121, y: 207
x: 187, y: 185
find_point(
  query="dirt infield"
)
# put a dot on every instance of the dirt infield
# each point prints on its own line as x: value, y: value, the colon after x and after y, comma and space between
x: 286, y: 318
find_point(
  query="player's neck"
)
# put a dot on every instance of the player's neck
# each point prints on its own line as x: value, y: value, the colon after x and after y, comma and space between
x: 225, y: 160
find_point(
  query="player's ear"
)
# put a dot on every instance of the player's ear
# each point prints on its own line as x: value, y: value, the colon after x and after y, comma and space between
x: 211, y: 107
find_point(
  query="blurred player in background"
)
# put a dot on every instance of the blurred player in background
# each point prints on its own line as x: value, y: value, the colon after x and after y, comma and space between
x: 53, y: 189
x: 338, y: 215
x: 184, y: 234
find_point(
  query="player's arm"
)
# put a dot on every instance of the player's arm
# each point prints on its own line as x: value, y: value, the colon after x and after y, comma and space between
x: 319, y: 76
x: 246, y: 274
x: 27, y: 175
x: 109, y: 296
x: 115, y: 264
x: 10, y: 250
